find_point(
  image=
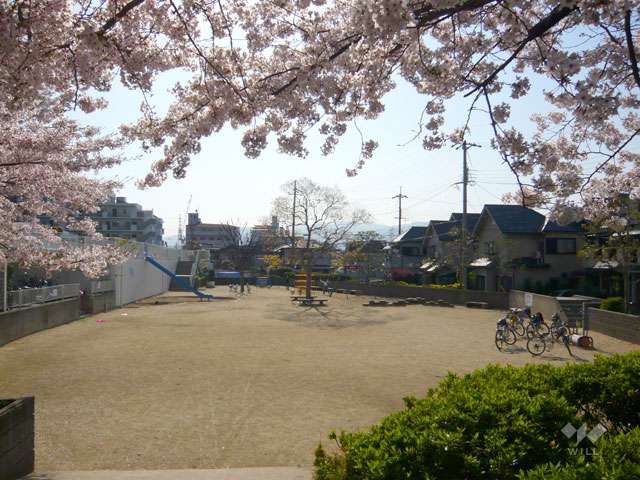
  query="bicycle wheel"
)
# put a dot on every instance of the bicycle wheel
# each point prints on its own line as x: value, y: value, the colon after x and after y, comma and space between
x: 537, y: 330
x: 500, y: 343
x: 518, y: 328
x: 509, y: 336
x: 536, y: 346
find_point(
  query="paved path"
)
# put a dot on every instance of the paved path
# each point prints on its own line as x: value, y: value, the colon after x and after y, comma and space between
x: 269, y: 473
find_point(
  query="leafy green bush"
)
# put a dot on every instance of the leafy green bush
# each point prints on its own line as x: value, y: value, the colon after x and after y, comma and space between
x: 495, y: 423
x: 614, y: 304
x: 448, y: 285
x: 614, y: 457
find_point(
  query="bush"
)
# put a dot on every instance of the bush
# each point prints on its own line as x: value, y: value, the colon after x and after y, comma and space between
x: 448, y: 285
x: 497, y: 422
x: 614, y: 457
x: 614, y: 304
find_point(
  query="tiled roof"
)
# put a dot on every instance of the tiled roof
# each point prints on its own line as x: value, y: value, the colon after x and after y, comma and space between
x: 444, y: 229
x: 573, y: 227
x: 515, y: 218
x: 414, y: 233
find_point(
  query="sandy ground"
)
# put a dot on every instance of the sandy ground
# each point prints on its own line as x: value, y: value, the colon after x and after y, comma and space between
x: 252, y: 381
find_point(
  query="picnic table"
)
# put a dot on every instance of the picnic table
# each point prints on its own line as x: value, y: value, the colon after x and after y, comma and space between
x: 304, y: 300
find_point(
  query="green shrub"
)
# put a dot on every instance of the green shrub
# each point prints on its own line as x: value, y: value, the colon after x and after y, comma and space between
x: 448, y: 285
x: 494, y: 423
x: 614, y: 304
x: 613, y: 457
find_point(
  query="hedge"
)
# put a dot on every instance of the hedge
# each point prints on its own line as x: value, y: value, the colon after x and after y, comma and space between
x: 499, y: 422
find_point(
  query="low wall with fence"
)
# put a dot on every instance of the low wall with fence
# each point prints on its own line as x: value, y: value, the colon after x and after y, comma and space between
x: 21, y: 322
x: 33, y: 296
x: 497, y: 300
x: 618, y: 325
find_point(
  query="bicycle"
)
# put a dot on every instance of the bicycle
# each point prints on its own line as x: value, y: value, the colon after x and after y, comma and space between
x: 537, y: 326
x: 538, y: 344
x: 517, y: 319
x: 505, y: 335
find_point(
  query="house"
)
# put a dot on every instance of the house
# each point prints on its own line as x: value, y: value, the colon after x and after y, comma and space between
x: 442, y: 248
x: 121, y: 219
x: 365, y: 259
x: 508, y: 249
x: 562, y: 247
x: 321, y: 259
x: 406, y: 254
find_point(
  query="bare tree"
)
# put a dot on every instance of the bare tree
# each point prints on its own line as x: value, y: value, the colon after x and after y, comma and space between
x: 319, y: 220
x: 241, y: 251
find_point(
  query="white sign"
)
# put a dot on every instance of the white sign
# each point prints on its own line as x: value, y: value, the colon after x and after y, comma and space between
x: 528, y: 299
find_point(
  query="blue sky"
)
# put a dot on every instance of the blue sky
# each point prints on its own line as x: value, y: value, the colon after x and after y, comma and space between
x: 226, y: 186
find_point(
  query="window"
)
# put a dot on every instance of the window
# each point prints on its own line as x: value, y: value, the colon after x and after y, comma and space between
x: 561, y: 246
x: 490, y: 247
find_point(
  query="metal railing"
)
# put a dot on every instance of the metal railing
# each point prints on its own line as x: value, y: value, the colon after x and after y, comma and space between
x: 32, y: 296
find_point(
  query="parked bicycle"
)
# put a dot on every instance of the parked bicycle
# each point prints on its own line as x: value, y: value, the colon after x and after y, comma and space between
x: 557, y: 331
x: 519, y: 319
x: 537, y: 326
x: 505, y: 334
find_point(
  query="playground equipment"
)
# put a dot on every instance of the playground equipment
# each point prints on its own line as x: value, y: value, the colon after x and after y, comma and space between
x: 181, y: 281
x: 300, y: 295
x: 300, y: 284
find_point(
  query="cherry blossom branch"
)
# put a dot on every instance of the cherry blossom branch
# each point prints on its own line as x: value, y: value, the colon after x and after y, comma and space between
x: 113, y: 21
x: 543, y: 26
x: 608, y: 159
x: 505, y: 157
x: 632, y: 51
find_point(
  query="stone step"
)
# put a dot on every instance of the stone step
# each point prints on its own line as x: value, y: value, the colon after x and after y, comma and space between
x: 257, y: 473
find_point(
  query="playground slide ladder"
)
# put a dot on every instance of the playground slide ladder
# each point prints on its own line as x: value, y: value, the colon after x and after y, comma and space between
x: 183, y: 283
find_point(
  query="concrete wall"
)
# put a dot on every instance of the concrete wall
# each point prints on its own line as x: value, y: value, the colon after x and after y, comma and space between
x: 97, y: 302
x: 539, y: 303
x: 618, y: 325
x: 21, y: 322
x: 498, y: 300
x: 136, y: 278
x: 17, y: 439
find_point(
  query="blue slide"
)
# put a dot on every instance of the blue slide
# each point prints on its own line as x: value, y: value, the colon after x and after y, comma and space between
x: 183, y: 283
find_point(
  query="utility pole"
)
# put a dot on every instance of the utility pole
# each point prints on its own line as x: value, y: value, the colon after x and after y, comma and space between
x: 293, y: 223
x: 400, y: 196
x: 463, y: 234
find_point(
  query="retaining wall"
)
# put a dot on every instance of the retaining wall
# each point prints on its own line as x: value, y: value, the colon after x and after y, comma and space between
x: 21, y: 322
x: 17, y: 439
x: 498, y: 300
x: 97, y: 302
x: 618, y: 325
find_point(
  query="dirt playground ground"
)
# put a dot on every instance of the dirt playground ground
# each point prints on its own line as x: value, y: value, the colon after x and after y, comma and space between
x: 253, y: 381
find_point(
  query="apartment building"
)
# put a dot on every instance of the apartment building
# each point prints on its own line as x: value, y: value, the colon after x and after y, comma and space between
x: 118, y: 218
x: 210, y: 236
